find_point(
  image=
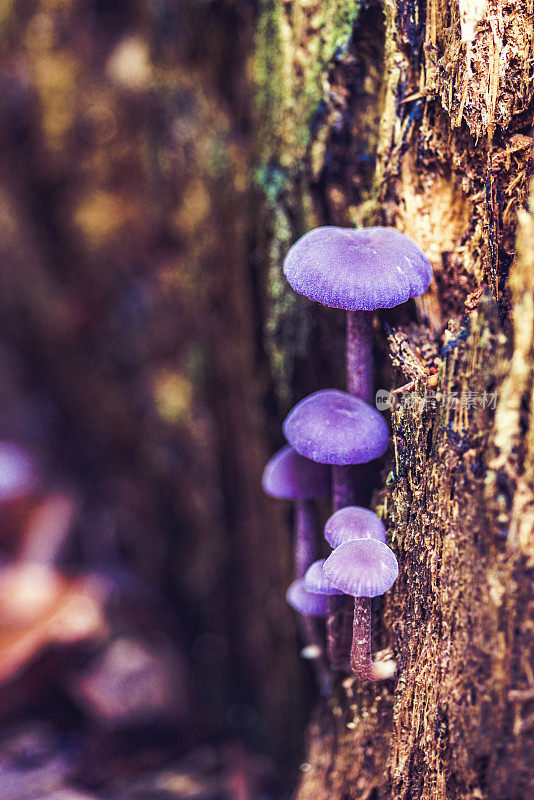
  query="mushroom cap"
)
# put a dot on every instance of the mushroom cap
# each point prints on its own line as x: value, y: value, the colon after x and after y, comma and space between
x: 311, y: 605
x: 17, y: 471
x: 290, y: 476
x: 353, y: 522
x: 316, y: 582
x: 361, y: 269
x: 362, y: 568
x: 333, y: 427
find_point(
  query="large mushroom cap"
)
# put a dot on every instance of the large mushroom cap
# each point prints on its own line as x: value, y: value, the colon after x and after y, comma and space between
x: 316, y: 582
x: 334, y: 427
x: 353, y: 522
x: 362, y: 568
x: 357, y: 270
x: 311, y: 605
x: 290, y: 476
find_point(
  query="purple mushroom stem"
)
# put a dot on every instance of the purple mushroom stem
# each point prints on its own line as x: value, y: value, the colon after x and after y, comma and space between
x: 290, y: 476
x: 338, y: 623
x: 310, y: 606
x: 360, y: 373
x: 360, y: 365
x: 305, y: 546
x: 361, y: 662
x: 342, y: 487
x: 310, y: 631
x: 305, y: 536
x: 338, y: 632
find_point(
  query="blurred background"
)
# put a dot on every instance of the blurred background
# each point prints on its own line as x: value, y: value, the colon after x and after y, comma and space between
x: 146, y: 649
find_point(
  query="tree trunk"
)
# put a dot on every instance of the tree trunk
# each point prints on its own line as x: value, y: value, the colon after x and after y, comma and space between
x: 418, y: 115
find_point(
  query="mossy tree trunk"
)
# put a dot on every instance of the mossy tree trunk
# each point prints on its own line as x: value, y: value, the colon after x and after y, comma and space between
x: 418, y: 115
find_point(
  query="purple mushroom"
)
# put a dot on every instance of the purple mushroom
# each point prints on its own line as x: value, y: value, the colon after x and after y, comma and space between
x: 353, y: 522
x: 310, y: 606
x: 333, y: 427
x: 363, y: 568
x: 290, y: 476
x: 307, y: 603
x: 316, y: 582
x: 359, y: 271
x: 338, y: 625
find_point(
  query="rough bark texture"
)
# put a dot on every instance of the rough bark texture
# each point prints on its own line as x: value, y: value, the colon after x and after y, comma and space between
x: 418, y: 115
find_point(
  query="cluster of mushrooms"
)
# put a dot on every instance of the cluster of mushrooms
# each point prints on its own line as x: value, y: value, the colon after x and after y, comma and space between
x: 328, y: 432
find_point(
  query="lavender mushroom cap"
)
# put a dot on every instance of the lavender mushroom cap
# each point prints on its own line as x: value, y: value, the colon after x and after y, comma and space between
x: 356, y: 270
x: 316, y: 582
x: 290, y: 476
x: 311, y: 605
x: 333, y: 427
x: 353, y: 522
x: 362, y: 568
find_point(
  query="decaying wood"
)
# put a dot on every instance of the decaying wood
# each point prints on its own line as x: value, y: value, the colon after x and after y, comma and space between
x: 438, y: 98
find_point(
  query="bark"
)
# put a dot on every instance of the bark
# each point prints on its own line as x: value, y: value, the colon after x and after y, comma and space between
x: 418, y: 115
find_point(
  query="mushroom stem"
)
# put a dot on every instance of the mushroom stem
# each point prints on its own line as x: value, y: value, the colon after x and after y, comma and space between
x: 360, y: 654
x: 305, y: 555
x: 305, y: 536
x: 360, y: 366
x: 338, y: 632
x: 338, y: 623
x: 342, y: 487
x: 311, y: 634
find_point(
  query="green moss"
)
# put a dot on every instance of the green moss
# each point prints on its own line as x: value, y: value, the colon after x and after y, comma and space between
x: 295, y: 48
x: 282, y: 307
x: 272, y: 180
x: 294, y: 51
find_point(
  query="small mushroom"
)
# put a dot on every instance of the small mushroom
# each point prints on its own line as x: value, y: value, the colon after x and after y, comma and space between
x: 316, y: 582
x: 353, y: 522
x: 358, y: 271
x: 305, y: 602
x: 310, y: 606
x: 363, y: 568
x: 338, y: 624
x: 290, y: 476
x: 333, y: 427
